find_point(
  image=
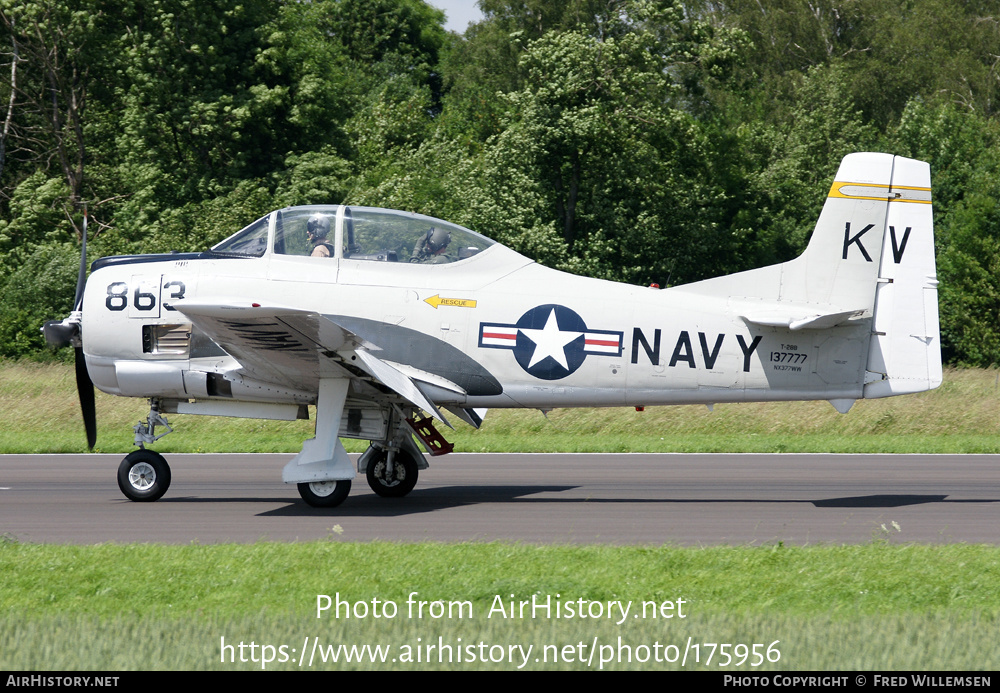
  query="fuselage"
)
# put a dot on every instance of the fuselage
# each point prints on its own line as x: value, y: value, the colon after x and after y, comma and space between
x: 510, y: 332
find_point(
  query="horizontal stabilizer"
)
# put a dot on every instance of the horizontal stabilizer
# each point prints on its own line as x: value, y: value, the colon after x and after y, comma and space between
x: 800, y: 318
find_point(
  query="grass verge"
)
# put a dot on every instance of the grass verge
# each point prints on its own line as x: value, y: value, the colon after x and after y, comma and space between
x: 39, y: 413
x: 871, y: 607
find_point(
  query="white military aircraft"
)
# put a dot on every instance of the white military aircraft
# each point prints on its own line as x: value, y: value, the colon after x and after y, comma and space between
x: 375, y: 315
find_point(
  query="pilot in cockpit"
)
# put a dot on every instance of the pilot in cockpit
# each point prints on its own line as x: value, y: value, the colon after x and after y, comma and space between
x: 317, y: 229
x: 431, y: 246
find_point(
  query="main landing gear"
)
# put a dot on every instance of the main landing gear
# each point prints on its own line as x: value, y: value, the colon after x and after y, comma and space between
x: 392, y: 467
x: 388, y: 479
x: 391, y: 473
x: 392, y: 479
x: 322, y: 471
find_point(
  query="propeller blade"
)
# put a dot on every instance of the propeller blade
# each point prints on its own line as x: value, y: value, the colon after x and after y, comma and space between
x: 84, y: 385
x: 85, y: 388
x: 60, y: 333
x: 81, y: 278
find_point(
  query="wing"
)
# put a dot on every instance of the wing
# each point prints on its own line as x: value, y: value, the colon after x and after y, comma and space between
x: 288, y: 347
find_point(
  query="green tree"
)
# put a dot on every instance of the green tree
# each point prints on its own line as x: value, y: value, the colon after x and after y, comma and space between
x: 57, y: 66
x: 41, y: 288
x: 963, y: 150
x: 407, y: 33
x: 969, y: 269
x: 893, y: 49
x: 599, y: 169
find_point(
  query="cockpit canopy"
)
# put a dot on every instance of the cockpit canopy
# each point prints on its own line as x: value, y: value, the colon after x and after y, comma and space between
x: 356, y: 233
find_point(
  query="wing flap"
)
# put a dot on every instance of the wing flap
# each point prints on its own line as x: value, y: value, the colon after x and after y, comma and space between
x: 399, y: 382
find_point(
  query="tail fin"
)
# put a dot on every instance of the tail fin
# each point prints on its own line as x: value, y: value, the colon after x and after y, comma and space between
x: 871, y: 257
x: 841, y: 263
x: 883, y: 203
x: 834, y: 279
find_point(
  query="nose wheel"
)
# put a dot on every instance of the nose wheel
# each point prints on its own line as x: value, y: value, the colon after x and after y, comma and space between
x: 325, y: 494
x: 144, y: 476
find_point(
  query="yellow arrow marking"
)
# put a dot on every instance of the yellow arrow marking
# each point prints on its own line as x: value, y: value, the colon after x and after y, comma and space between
x: 436, y: 301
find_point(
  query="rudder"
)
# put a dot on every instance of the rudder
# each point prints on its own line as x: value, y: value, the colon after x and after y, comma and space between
x: 905, y: 350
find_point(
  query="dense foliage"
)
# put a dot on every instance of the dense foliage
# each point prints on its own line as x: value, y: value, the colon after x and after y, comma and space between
x: 636, y: 140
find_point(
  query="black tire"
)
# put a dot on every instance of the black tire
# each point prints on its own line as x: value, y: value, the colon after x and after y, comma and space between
x: 404, y: 474
x: 325, y: 494
x: 143, y: 476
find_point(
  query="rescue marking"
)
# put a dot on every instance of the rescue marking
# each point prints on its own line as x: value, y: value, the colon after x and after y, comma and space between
x: 436, y: 300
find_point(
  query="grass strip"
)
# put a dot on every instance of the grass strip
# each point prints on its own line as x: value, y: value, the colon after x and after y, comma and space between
x: 873, y: 606
x: 39, y: 413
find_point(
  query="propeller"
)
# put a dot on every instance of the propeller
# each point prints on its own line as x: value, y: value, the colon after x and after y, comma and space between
x: 60, y: 333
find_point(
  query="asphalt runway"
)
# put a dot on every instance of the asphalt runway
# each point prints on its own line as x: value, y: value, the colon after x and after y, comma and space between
x: 678, y: 499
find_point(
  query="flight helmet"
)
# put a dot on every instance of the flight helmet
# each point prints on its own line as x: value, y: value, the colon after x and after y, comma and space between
x: 437, y: 239
x: 318, y: 226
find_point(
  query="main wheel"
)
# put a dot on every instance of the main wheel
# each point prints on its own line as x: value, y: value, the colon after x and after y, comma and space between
x: 143, y: 476
x: 402, y: 480
x: 325, y: 494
